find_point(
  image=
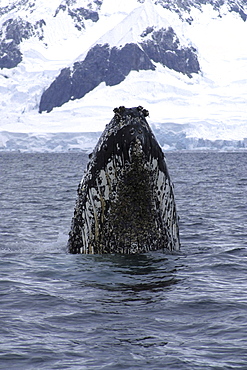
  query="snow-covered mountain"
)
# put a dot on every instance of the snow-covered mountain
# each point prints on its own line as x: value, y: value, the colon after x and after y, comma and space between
x: 64, y: 66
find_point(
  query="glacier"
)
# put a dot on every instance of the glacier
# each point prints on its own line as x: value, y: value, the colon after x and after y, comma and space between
x: 205, y: 111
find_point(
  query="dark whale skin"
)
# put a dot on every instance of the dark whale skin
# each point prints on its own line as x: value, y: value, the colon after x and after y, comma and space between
x: 125, y: 200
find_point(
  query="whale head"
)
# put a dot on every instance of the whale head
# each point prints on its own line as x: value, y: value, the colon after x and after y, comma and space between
x: 125, y: 200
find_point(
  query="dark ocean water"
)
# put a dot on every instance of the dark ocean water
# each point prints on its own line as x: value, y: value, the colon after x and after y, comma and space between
x: 153, y: 311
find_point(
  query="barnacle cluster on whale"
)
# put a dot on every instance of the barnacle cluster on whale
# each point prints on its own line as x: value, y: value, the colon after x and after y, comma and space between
x: 125, y: 200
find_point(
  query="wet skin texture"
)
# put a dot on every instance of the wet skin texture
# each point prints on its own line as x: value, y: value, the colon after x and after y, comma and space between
x: 125, y: 200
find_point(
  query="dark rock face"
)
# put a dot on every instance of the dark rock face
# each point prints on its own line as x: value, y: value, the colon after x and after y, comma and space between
x: 102, y: 64
x: 122, y: 61
x: 112, y: 65
x: 15, y: 5
x: 61, y: 89
x: 182, y: 7
x: 79, y: 14
x: 10, y: 55
x: 17, y: 29
x: 13, y: 32
x: 238, y: 9
x: 125, y: 201
x: 164, y: 48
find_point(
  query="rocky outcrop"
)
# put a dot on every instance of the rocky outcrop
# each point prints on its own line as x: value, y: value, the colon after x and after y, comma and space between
x: 13, y: 32
x: 112, y: 65
x: 164, y: 47
x: 10, y: 55
x: 79, y: 15
x: 102, y: 64
x: 183, y: 8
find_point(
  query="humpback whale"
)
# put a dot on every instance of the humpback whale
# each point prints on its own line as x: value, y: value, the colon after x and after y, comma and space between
x: 125, y: 200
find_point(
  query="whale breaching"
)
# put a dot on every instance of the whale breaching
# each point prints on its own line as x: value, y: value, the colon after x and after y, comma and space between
x: 125, y: 200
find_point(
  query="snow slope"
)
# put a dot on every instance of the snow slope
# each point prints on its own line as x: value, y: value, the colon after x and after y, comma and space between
x: 208, y: 110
